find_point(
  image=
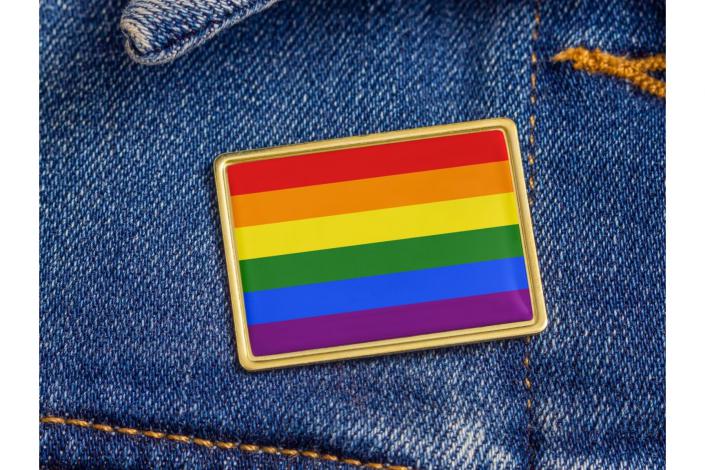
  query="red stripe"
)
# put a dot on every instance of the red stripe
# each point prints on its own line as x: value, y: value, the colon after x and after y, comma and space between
x: 367, y: 162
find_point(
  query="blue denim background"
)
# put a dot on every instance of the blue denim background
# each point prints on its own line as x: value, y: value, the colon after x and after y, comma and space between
x: 135, y: 321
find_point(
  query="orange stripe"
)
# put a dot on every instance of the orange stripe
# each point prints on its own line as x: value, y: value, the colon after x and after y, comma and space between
x: 371, y: 193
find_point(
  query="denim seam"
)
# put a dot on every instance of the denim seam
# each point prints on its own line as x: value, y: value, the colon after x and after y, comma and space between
x: 215, y: 444
x: 533, y: 98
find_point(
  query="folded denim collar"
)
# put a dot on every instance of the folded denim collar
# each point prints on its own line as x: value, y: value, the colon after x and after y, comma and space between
x: 159, y: 31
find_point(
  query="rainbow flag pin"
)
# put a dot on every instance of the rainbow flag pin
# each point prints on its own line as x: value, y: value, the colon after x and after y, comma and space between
x: 378, y: 244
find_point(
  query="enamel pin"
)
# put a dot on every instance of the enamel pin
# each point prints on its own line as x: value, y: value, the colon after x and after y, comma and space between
x: 379, y: 244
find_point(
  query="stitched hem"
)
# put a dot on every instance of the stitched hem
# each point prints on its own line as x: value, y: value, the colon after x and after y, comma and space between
x: 215, y: 444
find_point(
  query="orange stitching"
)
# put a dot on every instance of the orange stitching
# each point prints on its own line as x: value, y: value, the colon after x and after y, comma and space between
x: 533, y: 98
x: 632, y: 70
x: 529, y: 400
x: 249, y: 448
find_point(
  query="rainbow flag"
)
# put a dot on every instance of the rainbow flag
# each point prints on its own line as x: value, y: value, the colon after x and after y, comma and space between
x: 378, y: 242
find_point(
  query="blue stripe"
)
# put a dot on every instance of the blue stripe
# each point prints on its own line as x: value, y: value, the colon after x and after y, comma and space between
x: 386, y: 290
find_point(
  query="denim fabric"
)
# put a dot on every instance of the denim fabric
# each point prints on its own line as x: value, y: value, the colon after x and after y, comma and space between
x: 98, y: 450
x: 135, y: 321
x: 158, y: 31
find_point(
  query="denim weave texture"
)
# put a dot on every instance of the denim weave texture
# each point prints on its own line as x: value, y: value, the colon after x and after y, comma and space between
x: 158, y: 31
x: 135, y: 321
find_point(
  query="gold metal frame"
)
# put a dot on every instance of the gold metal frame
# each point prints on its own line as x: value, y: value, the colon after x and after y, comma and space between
x: 251, y: 362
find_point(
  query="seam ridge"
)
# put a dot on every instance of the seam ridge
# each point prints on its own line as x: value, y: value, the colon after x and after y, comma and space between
x: 531, y: 195
x: 215, y: 444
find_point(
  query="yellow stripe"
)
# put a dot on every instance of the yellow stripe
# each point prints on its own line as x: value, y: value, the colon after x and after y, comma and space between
x: 394, y: 223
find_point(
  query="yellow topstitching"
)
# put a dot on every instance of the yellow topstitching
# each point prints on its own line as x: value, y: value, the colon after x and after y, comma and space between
x: 635, y: 71
x: 249, y: 448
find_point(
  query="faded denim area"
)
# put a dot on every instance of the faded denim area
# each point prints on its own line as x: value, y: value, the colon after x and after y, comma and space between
x: 135, y: 321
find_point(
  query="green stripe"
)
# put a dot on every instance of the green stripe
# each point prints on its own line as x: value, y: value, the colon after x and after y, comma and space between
x: 380, y: 258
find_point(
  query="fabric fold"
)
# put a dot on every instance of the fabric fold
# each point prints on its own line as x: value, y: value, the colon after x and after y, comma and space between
x: 159, y: 31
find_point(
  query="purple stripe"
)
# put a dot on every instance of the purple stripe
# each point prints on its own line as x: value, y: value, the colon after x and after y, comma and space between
x: 390, y: 322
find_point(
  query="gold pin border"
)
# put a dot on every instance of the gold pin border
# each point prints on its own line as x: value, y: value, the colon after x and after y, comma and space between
x: 435, y: 340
